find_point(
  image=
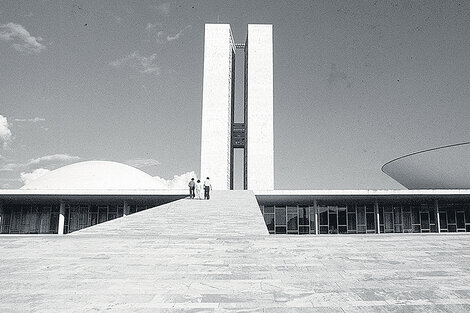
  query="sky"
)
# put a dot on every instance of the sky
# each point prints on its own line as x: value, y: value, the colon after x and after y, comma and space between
x: 356, y: 84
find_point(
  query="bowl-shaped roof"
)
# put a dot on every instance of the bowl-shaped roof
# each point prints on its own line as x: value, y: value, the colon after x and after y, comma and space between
x: 94, y: 175
x: 446, y: 167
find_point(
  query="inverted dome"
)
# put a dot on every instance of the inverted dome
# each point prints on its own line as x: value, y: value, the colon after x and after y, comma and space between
x: 94, y: 175
x: 446, y: 167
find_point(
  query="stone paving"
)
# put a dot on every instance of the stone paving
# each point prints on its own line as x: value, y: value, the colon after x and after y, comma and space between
x: 159, y: 261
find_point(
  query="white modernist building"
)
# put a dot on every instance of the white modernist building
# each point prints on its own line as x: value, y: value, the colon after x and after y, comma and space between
x: 84, y: 194
x: 220, y: 134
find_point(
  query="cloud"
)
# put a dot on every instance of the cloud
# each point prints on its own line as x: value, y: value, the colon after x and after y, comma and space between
x: 6, y: 183
x: 152, y: 26
x: 5, y: 132
x: 32, y: 120
x: 48, y: 161
x: 23, y: 41
x: 155, y: 29
x: 145, y: 65
x: 8, y: 167
x: 161, y: 36
x: 142, y: 163
x: 53, y: 159
x: 26, y: 178
x: 178, y: 35
x: 164, y: 8
x: 178, y: 181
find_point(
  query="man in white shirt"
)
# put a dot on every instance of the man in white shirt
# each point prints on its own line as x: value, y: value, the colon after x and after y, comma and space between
x: 207, y: 188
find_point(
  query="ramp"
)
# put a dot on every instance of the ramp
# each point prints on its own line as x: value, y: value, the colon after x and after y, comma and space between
x: 226, y: 214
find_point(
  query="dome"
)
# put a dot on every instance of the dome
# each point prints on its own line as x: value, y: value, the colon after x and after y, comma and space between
x: 92, y: 175
x: 446, y: 167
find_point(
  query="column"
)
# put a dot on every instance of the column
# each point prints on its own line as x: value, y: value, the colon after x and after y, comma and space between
x: 125, y: 211
x: 317, y: 223
x: 61, y: 218
x: 436, y: 210
x: 377, y: 221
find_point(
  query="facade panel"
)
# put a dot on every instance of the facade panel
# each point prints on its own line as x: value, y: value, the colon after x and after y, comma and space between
x: 217, y: 104
x: 260, y: 143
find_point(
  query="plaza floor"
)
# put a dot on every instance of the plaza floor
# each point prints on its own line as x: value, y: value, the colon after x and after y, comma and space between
x: 159, y: 261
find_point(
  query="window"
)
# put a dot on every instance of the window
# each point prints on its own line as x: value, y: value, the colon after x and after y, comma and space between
x: 269, y: 209
x: 303, y: 216
x: 292, y: 224
x: 312, y: 220
x: 351, y: 221
x: 280, y: 216
x: 323, y: 215
x: 269, y: 220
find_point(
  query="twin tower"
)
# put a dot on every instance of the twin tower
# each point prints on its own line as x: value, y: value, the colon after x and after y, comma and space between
x: 220, y: 134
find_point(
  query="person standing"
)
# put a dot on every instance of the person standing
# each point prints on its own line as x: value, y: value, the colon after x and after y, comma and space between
x: 198, y: 189
x: 192, y: 186
x: 207, y: 188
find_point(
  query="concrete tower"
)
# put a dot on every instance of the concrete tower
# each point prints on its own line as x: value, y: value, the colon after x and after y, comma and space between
x: 259, y: 107
x: 220, y: 134
x: 217, y: 102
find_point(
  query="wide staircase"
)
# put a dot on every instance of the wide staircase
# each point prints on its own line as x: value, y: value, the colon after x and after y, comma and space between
x: 226, y: 214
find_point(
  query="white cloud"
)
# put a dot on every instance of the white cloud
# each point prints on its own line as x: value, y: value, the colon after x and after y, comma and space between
x: 155, y: 29
x: 8, y: 167
x: 178, y: 181
x: 142, y: 163
x: 32, y: 120
x: 164, y: 8
x: 5, y: 132
x: 160, y: 36
x: 53, y: 159
x: 143, y: 64
x: 48, y: 161
x: 7, y: 183
x: 178, y: 35
x: 26, y: 178
x: 23, y: 41
x: 152, y: 26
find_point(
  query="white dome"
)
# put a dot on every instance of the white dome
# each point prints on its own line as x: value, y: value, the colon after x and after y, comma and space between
x: 91, y: 175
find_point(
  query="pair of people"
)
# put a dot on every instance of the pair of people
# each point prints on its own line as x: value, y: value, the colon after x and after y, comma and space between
x: 195, y: 188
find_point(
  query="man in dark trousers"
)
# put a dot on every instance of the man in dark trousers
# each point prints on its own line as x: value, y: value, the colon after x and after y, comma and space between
x: 192, y: 186
x: 207, y: 188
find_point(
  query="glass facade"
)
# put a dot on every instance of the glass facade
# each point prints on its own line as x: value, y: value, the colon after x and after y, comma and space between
x: 363, y: 217
x: 29, y: 219
x: 320, y: 217
x: 289, y: 219
x: 44, y: 219
x: 78, y: 216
